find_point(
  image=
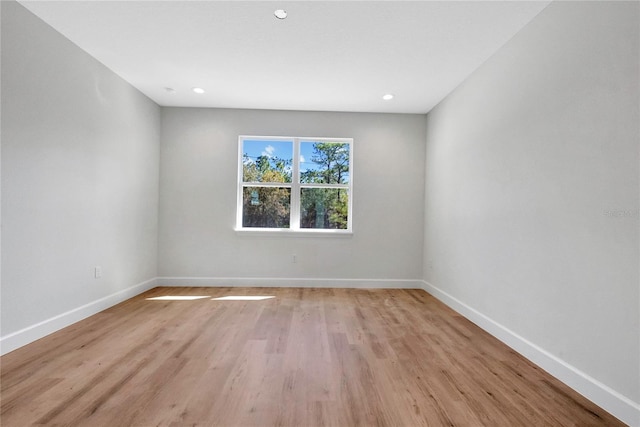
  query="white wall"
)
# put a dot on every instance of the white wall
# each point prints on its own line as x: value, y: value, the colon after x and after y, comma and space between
x: 80, y: 155
x: 198, y: 201
x: 532, y: 189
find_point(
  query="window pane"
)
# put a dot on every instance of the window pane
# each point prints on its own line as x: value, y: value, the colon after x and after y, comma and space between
x: 266, y: 160
x: 324, y: 208
x: 266, y: 207
x: 324, y: 162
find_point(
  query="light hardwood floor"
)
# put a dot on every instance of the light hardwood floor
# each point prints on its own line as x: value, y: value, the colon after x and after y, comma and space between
x: 307, y: 357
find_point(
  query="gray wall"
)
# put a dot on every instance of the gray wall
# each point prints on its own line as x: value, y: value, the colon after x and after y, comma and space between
x: 199, y: 163
x: 80, y: 155
x: 532, y: 190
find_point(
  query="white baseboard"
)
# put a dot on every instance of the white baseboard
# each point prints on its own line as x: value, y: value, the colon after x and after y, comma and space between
x: 287, y: 282
x: 29, y: 334
x: 618, y: 405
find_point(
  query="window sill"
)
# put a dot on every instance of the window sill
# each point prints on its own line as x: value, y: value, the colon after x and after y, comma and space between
x: 256, y: 232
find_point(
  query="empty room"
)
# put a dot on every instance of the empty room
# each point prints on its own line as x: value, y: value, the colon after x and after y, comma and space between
x: 320, y: 213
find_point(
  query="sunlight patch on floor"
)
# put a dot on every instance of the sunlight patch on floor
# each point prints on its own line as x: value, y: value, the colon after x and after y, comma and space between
x: 177, y: 298
x: 243, y: 298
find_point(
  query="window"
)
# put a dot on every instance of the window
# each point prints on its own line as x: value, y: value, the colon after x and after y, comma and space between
x: 295, y: 184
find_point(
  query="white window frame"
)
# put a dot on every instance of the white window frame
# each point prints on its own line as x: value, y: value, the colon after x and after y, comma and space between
x: 295, y: 185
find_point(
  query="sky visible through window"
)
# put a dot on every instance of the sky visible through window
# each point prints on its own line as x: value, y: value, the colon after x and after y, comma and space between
x: 280, y: 149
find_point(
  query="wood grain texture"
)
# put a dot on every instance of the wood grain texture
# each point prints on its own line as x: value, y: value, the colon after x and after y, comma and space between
x: 307, y: 357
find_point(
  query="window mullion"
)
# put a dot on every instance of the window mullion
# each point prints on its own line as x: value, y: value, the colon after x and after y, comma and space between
x: 240, y: 187
x: 314, y: 185
x: 295, y: 187
x: 267, y: 184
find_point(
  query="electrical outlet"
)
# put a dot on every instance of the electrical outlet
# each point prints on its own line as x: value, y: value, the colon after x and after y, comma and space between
x: 294, y: 259
x: 97, y: 272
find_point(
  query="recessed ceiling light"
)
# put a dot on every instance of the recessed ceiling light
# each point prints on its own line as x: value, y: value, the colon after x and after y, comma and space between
x: 387, y: 97
x: 280, y: 13
x: 198, y: 90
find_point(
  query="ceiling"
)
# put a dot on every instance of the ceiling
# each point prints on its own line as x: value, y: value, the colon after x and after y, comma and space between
x: 325, y: 56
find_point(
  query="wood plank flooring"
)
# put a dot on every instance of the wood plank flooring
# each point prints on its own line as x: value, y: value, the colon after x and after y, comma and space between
x: 306, y: 357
